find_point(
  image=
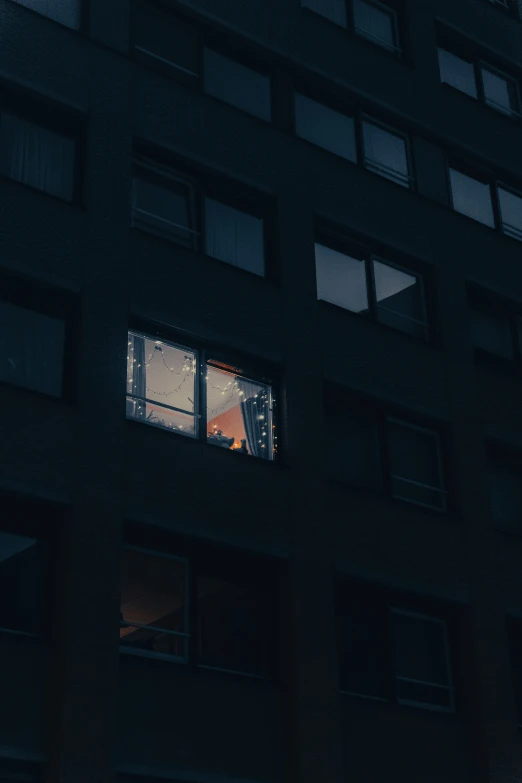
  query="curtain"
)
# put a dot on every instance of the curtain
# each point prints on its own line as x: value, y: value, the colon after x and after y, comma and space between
x: 234, y: 236
x: 252, y: 408
x: 136, y: 377
x: 37, y: 156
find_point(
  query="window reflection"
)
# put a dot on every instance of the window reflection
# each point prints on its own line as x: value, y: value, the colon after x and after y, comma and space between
x: 399, y: 299
x: 341, y: 279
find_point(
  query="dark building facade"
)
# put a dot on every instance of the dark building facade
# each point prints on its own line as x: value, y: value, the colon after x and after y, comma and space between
x: 289, y: 229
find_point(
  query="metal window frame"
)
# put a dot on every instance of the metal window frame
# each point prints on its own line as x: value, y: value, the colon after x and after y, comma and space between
x: 450, y: 687
x: 392, y: 12
x: 374, y: 166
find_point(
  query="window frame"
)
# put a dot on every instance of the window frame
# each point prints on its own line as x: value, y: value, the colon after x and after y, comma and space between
x: 248, y: 569
x: 205, y: 356
x: 480, y: 66
x: 410, y: 177
x: 395, y: 49
x: 484, y: 301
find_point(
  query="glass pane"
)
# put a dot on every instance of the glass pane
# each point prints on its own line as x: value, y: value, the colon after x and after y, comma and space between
x: 413, y: 454
x: 404, y: 489
x: 22, y: 582
x: 235, y: 84
x: 419, y: 694
x: 165, y: 210
x: 457, y: 72
x: 399, y: 299
x: 164, y: 376
x: 511, y: 213
x: 239, y: 415
x: 325, y: 127
x: 31, y: 349
x: 491, y: 333
x: 500, y: 92
x: 471, y: 197
x: 234, y: 626
x: 153, y: 602
x: 353, y: 449
x: 66, y: 12
x: 385, y: 153
x: 234, y: 236
x: 341, y: 279
x: 506, y: 496
x: 376, y: 22
x: 334, y: 10
x: 167, y: 38
x: 420, y: 649
x: 363, y: 652
x: 36, y: 156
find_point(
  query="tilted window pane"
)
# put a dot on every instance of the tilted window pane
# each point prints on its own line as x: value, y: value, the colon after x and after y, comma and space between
x: 234, y: 236
x: 154, y: 600
x: 386, y: 154
x: 457, y: 72
x: 491, y: 333
x: 36, y: 156
x: 67, y: 12
x: 165, y: 210
x: 363, y: 651
x: 414, y: 461
x: 161, y: 384
x: 375, y: 22
x: 23, y: 574
x: 353, y: 449
x: 511, y: 213
x: 235, y: 84
x: 471, y: 197
x: 506, y: 496
x: 420, y: 649
x: 341, y: 279
x: 239, y: 414
x: 167, y: 39
x: 500, y: 92
x: 325, y: 127
x: 334, y: 10
x: 400, y: 302
x: 234, y: 626
x: 31, y: 349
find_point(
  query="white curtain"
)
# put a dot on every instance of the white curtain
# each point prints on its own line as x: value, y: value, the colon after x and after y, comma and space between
x: 66, y: 12
x: 334, y: 10
x: 234, y: 236
x: 384, y: 149
x: 37, y: 156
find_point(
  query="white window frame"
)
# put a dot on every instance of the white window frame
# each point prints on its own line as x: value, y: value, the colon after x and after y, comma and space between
x: 450, y: 688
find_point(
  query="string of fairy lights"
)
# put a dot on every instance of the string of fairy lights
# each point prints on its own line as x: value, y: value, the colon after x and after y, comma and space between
x: 189, y: 369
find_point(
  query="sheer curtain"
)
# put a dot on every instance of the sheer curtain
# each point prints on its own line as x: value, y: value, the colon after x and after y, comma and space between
x: 255, y: 412
x: 136, y: 377
x: 36, y: 156
x: 66, y: 12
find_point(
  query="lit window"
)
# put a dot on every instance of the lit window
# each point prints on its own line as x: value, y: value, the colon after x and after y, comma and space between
x: 234, y: 236
x: 334, y: 10
x: 238, y: 85
x: 166, y: 40
x: 457, y: 72
x: 386, y: 153
x: 165, y: 385
x: 325, y: 127
x: 415, y: 465
x: 37, y: 156
x: 377, y: 22
x: 472, y: 197
x: 510, y: 213
x: 67, y: 12
x: 500, y: 91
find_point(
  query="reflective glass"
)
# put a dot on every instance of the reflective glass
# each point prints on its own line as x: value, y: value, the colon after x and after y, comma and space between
x: 341, y: 279
x: 457, y: 72
x: 472, y: 197
x: 334, y: 10
x: 376, y: 22
x: 325, y: 127
x: 500, y: 92
x: 385, y: 153
x: 511, y: 213
x: 399, y: 299
x: 235, y: 84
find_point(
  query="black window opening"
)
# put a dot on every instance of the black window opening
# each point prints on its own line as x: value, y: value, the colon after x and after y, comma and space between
x: 389, y: 653
x: 183, y: 390
x: 370, y: 19
x: 505, y: 489
x: 66, y: 12
x: 393, y: 457
x: 496, y: 333
x: 371, y: 285
x: 514, y: 635
x: 41, y: 146
x: 238, y: 85
x: 37, y: 333
x: 482, y: 198
x: 480, y: 80
x: 201, y: 610
x: 15, y: 771
x: 203, y: 217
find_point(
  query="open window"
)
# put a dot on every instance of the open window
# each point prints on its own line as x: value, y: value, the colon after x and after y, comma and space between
x: 386, y: 152
x: 66, y: 12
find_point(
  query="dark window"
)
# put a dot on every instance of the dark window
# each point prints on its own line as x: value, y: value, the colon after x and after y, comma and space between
x: 500, y: 91
x: 185, y: 391
x: 325, y: 127
x: 514, y: 633
x: 334, y: 10
x: 353, y: 449
x: 67, y: 12
x: 510, y: 204
x: 505, y: 490
x: 191, y: 607
x: 364, y: 284
x: 169, y: 42
x: 177, y: 207
x: 377, y: 22
x: 389, y: 653
x: 495, y: 332
x: 238, y: 85
x: 386, y: 153
x: 14, y: 771
x: 472, y: 197
x: 415, y: 465
x: 457, y: 72
x: 37, y: 156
